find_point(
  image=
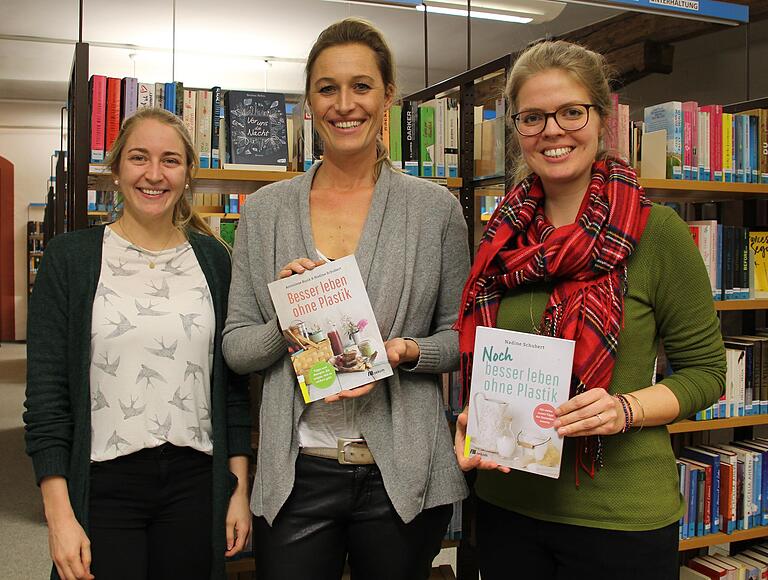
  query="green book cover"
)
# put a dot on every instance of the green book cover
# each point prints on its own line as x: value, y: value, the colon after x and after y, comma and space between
x: 395, y: 136
x: 426, y: 141
x: 227, y: 232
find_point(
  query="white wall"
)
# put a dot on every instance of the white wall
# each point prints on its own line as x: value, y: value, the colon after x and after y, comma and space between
x: 29, y: 133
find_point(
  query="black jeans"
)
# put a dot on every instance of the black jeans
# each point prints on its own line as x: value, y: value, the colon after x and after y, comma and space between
x: 512, y: 546
x: 337, y: 511
x: 151, y: 515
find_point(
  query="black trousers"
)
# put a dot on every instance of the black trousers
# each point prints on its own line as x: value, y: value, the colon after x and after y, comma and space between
x: 337, y: 511
x: 512, y: 546
x: 151, y: 515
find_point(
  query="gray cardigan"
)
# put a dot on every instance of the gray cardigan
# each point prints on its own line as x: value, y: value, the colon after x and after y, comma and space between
x: 414, y: 259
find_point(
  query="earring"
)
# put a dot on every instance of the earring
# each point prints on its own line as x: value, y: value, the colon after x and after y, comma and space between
x: 186, y: 186
x: 116, y: 182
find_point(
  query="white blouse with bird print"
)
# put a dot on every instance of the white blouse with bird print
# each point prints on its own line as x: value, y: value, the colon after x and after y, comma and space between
x: 151, y: 350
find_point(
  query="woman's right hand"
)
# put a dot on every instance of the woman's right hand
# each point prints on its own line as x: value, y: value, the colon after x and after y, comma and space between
x: 298, y: 266
x: 70, y: 549
x: 474, y: 462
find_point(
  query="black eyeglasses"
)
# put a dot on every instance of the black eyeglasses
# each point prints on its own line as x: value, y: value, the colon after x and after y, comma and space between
x: 568, y: 118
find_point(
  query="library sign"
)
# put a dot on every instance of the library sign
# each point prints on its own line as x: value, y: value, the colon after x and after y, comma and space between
x: 709, y: 10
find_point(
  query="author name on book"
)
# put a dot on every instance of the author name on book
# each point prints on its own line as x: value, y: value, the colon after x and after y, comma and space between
x: 525, y: 382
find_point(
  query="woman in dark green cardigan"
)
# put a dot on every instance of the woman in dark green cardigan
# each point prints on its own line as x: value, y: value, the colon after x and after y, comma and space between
x: 200, y: 416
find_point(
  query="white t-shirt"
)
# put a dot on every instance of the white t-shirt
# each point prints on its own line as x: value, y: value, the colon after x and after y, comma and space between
x: 151, y: 350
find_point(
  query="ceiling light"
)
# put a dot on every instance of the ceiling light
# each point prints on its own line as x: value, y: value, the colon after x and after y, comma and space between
x: 474, y: 14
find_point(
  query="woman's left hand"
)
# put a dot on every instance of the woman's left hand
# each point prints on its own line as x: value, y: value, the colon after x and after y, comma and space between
x: 238, y: 522
x: 401, y: 350
x: 594, y: 412
x: 351, y: 393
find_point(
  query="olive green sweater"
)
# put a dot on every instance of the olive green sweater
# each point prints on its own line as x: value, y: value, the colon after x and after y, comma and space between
x: 669, y: 298
x: 58, y: 415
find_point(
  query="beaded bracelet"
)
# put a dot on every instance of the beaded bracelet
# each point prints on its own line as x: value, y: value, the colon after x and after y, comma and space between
x: 627, y: 408
x: 642, y: 410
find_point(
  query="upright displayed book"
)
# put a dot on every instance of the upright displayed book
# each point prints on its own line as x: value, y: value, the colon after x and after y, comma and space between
x: 669, y: 117
x: 257, y: 134
x: 332, y: 335
x: 518, y: 380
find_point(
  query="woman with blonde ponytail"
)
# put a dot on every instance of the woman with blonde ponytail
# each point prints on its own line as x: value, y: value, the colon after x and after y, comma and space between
x: 138, y: 431
x: 386, y: 506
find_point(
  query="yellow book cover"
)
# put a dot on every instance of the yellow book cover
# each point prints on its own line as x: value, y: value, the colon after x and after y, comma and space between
x: 758, y: 252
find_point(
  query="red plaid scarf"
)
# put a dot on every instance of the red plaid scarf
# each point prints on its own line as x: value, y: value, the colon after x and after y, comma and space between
x: 587, y: 259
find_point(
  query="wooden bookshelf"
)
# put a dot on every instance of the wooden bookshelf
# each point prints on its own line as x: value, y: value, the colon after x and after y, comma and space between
x: 720, y: 538
x: 700, y: 191
x: 752, y: 304
x: 688, y: 426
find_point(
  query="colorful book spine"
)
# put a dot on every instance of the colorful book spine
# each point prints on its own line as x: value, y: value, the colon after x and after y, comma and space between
x: 113, y: 112
x: 170, y: 98
x: 98, y: 97
x: 385, y: 130
x: 727, y: 147
x: 308, y: 139
x: 754, y: 144
x: 426, y: 140
x: 452, y: 138
x: 395, y: 136
x: 715, y: 140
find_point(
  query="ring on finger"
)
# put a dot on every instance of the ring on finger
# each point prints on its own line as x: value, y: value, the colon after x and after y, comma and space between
x: 599, y: 418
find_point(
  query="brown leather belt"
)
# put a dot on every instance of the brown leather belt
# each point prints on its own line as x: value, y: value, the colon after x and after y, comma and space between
x: 348, y: 452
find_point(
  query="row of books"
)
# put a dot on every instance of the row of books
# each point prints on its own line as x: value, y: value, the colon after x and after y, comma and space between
x: 746, y: 381
x: 735, y: 258
x: 725, y: 487
x: 749, y: 564
x: 236, y: 127
x: 699, y: 143
x: 230, y: 203
x: 224, y: 228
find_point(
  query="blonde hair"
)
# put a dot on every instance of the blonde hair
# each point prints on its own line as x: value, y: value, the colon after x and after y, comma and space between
x: 357, y: 31
x: 587, y: 67
x: 185, y: 218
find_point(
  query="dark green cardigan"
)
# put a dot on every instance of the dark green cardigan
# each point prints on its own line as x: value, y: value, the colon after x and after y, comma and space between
x: 58, y: 415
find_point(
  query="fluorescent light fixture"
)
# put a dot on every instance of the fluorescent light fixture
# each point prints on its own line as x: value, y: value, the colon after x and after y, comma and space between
x: 474, y: 14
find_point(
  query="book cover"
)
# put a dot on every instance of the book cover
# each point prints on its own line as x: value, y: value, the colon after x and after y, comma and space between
x: 758, y: 248
x: 669, y: 117
x: 257, y: 132
x: 518, y: 380
x: 332, y: 334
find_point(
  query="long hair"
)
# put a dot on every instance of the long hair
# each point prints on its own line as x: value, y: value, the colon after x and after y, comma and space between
x: 185, y: 218
x: 587, y: 67
x: 357, y: 31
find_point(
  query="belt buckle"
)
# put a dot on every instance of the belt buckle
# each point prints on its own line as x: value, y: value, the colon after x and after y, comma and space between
x: 342, y: 446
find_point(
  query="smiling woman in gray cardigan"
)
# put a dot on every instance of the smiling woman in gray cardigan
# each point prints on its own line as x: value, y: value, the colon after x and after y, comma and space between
x: 413, y: 257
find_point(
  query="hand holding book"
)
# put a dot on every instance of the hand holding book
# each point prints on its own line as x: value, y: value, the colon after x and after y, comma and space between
x: 459, y: 443
x: 298, y: 266
x: 594, y: 412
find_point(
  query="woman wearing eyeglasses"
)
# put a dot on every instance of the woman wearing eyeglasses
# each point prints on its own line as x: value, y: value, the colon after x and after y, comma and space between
x: 576, y: 251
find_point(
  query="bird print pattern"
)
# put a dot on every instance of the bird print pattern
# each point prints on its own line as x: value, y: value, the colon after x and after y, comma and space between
x: 151, y: 345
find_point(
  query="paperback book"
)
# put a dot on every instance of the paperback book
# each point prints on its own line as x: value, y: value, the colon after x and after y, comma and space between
x: 332, y: 335
x: 518, y: 380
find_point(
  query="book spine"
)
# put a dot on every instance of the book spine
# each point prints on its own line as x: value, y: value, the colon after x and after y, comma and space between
x: 308, y: 138
x: 146, y: 98
x: 727, y: 148
x: 763, y: 144
x: 188, y: 116
x: 113, y: 112
x: 410, y: 137
x: 215, y: 127
x: 687, y: 141
x: 179, y: 88
x: 395, y: 136
x: 98, y: 94
x: 452, y: 138
x: 204, y: 122
x: 426, y: 141
x: 440, y: 115
x: 754, y: 144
